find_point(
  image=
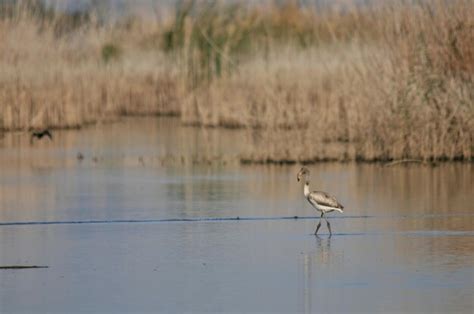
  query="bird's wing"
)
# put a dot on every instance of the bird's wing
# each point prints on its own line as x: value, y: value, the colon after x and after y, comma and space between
x: 325, y: 199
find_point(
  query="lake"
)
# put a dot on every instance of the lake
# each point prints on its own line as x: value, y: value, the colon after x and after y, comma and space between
x: 145, y: 215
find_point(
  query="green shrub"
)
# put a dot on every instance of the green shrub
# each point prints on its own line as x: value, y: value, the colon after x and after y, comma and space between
x: 110, y: 52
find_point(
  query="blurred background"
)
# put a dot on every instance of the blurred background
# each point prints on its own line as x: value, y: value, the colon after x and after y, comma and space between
x: 321, y: 80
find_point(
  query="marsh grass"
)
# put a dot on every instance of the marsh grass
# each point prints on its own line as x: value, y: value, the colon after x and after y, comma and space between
x: 391, y: 81
x: 85, y: 73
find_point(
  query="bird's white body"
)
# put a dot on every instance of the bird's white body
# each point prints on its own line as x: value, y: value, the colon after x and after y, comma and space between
x: 316, y: 205
x: 325, y: 209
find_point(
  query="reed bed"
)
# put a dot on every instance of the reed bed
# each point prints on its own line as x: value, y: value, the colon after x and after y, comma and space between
x: 388, y: 82
x: 384, y: 82
x: 63, y: 71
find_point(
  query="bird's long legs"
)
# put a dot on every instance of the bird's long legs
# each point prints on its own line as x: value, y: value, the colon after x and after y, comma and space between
x: 319, y: 224
x: 329, y: 226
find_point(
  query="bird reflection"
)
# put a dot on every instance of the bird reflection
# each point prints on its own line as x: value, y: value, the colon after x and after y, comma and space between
x: 314, y: 264
x: 324, y: 250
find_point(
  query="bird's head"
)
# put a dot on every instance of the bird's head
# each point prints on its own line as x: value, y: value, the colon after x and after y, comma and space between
x: 302, y: 174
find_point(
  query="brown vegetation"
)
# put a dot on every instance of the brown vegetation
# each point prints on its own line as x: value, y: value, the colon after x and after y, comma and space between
x: 86, y: 73
x: 379, y: 83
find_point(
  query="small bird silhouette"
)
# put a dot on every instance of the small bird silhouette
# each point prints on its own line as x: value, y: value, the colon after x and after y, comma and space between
x: 39, y: 135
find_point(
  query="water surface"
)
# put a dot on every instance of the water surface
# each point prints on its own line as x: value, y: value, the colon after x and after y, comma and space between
x: 404, y: 244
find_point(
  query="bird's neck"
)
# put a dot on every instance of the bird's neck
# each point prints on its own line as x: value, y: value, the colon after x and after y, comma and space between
x: 306, y: 188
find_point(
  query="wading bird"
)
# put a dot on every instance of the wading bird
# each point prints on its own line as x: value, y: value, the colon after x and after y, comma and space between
x: 321, y: 201
x: 39, y: 135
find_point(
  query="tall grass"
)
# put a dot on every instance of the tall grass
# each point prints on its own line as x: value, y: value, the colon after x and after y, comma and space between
x: 385, y: 82
x: 393, y: 82
x: 63, y: 71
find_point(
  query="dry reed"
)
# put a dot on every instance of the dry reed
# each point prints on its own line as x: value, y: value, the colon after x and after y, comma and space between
x: 387, y: 82
x: 393, y: 82
x: 90, y: 73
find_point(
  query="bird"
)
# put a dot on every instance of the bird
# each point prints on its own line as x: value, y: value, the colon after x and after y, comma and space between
x: 39, y: 135
x: 321, y: 201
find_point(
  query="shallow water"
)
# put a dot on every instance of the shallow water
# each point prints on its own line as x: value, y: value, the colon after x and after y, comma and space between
x: 147, y: 222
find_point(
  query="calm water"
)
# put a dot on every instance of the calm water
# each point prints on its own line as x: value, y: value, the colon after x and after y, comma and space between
x: 404, y: 244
